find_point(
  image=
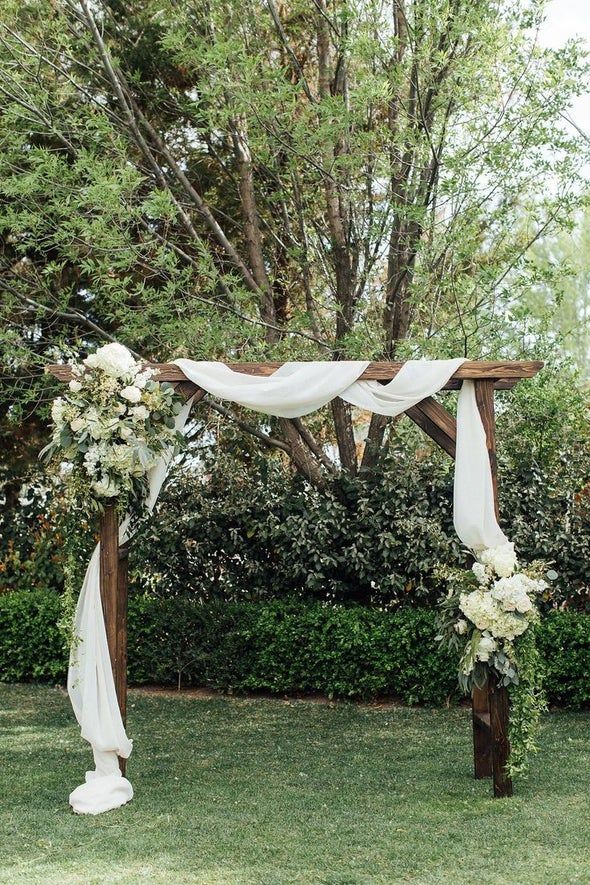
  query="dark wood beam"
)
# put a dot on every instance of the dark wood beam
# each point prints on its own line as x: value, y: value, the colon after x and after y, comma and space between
x: 499, y: 371
x: 482, y: 732
x: 113, y: 595
x: 436, y: 422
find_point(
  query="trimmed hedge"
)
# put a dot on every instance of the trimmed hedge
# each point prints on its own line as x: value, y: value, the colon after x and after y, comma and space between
x: 282, y: 646
x: 31, y: 643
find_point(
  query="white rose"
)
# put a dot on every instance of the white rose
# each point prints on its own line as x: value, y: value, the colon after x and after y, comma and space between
x: 105, y: 487
x: 126, y: 432
x: 78, y: 424
x: 114, y: 359
x: 461, y: 626
x: 140, y: 413
x: 486, y: 646
x: 132, y: 393
x: 75, y: 385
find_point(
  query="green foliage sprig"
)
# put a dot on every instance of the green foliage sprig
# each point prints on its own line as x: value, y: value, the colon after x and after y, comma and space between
x: 527, y: 702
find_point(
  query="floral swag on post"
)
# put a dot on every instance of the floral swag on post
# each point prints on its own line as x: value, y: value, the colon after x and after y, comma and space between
x: 111, y: 428
x: 489, y: 617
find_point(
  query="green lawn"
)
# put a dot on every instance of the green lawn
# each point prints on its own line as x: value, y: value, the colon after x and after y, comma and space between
x: 267, y: 791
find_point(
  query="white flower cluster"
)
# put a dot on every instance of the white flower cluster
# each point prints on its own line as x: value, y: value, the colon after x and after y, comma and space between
x: 484, y: 610
x: 502, y: 607
x: 499, y: 560
x: 113, y: 359
x: 114, y: 422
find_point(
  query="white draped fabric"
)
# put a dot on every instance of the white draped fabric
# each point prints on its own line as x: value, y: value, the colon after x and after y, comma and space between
x: 91, y: 685
x: 295, y: 389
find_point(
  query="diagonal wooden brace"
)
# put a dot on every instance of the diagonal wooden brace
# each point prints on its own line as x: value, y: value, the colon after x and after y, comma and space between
x: 436, y: 422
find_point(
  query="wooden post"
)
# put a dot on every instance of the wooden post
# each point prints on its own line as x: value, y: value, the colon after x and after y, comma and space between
x: 482, y: 741
x: 499, y: 721
x: 490, y: 705
x: 113, y: 594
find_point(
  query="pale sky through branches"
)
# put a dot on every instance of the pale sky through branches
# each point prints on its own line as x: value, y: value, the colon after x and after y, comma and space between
x: 566, y: 19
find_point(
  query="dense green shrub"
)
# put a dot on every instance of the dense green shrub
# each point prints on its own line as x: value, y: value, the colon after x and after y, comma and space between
x: 283, y: 646
x: 564, y: 643
x: 31, y: 553
x: 31, y: 643
x: 261, y: 533
x: 239, y: 526
x: 350, y: 652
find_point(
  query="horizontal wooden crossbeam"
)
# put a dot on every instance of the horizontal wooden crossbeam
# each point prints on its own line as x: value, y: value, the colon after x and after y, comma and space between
x: 504, y: 373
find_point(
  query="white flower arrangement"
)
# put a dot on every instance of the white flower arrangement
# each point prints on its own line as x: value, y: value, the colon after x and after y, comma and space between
x: 111, y: 427
x: 486, y: 618
x: 496, y: 605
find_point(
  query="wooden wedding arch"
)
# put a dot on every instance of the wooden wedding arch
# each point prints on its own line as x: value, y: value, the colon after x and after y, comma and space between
x: 490, y: 709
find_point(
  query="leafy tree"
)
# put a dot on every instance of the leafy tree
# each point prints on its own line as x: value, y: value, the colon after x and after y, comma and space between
x: 283, y: 180
x: 560, y: 299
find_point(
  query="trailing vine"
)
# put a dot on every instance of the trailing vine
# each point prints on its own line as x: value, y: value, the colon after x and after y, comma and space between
x: 527, y: 702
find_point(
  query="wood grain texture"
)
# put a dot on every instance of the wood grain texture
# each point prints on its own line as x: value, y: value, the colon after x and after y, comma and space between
x: 499, y: 722
x: 436, y: 422
x: 502, y: 372
x: 482, y: 733
x: 113, y: 595
x: 109, y: 568
x: 186, y: 389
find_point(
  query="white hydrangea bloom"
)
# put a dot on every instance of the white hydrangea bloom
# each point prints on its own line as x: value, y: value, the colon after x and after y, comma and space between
x: 114, y: 359
x: 480, y: 572
x: 105, y: 487
x: 487, y: 613
x: 501, y: 559
x: 479, y: 607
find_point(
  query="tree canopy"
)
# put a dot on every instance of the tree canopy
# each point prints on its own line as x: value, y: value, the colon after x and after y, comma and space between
x: 279, y: 180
